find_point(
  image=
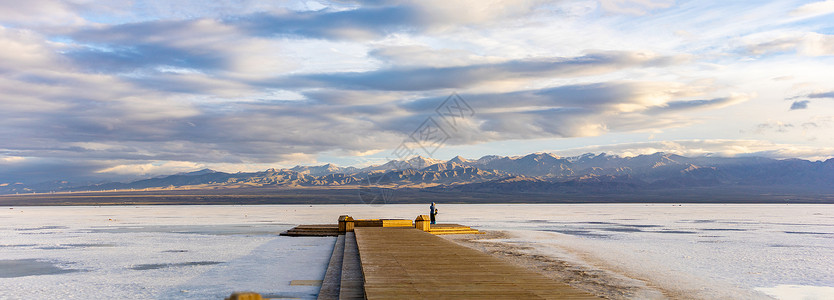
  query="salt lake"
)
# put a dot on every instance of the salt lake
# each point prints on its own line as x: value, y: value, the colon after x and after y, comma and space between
x: 186, y: 252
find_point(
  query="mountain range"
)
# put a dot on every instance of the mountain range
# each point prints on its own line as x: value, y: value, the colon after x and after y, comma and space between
x: 538, y: 173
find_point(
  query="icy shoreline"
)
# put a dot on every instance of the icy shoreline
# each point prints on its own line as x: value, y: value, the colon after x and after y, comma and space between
x: 599, y: 274
x: 596, y: 270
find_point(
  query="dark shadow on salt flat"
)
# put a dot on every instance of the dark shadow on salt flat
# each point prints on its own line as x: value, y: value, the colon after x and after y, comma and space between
x: 81, y: 245
x: 174, y: 265
x: 675, y: 231
x: 798, y: 224
x: 704, y: 221
x: 783, y: 246
x: 598, y: 223
x: 741, y: 222
x: 41, y: 228
x: 622, y: 229
x: 641, y: 225
x: 271, y: 222
x: 30, y: 267
x: 615, y: 224
x: 538, y: 221
x: 697, y: 221
x: 238, y: 229
x: 85, y: 245
x: 723, y: 229
x: 584, y: 233
x: 17, y: 245
x: 807, y: 232
x: 52, y: 248
x: 175, y: 251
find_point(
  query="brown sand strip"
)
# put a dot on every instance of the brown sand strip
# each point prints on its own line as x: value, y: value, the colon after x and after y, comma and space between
x: 403, y: 263
x: 306, y: 282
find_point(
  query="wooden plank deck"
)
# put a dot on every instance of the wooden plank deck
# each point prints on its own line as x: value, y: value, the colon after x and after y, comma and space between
x: 401, y: 263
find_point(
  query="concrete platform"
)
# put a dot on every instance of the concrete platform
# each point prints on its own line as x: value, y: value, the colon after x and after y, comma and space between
x: 333, y: 276
x: 400, y: 263
x: 347, y: 223
x: 352, y: 282
x: 313, y: 230
x: 452, y: 229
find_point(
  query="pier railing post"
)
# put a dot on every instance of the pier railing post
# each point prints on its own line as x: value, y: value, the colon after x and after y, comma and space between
x: 342, y: 224
x: 349, y: 224
x: 346, y: 224
x: 423, y: 222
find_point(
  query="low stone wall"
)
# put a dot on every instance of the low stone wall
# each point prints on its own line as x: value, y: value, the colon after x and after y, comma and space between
x: 397, y: 223
x: 382, y: 223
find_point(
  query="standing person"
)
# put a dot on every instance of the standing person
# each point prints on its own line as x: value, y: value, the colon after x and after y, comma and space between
x: 432, y: 212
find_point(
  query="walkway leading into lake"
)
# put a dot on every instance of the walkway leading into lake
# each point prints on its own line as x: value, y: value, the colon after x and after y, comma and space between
x: 402, y: 262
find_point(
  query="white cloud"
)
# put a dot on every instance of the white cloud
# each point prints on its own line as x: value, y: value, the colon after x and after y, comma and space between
x: 152, y: 169
x: 23, y: 49
x: 437, y: 14
x: 815, y: 44
x: 475, y: 11
x: 421, y: 56
x: 804, y: 43
x: 814, y: 9
x: 634, y: 7
x: 39, y: 13
x: 12, y: 159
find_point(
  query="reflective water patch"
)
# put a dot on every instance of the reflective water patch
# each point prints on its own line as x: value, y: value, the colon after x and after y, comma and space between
x: 30, y: 267
x: 723, y: 229
x: 41, y: 228
x: 584, y: 233
x: 185, y: 264
x: 807, y: 232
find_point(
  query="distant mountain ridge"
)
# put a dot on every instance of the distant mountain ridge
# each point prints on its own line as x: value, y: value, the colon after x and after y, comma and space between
x: 532, y: 173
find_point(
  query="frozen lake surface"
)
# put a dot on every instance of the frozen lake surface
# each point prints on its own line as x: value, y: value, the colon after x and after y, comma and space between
x: 203, y: 252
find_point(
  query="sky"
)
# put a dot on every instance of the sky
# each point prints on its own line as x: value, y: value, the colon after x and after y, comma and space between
x: 131, y: 89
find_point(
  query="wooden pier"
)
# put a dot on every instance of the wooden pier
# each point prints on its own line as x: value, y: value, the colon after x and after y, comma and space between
x: 407, y: 262
x: 404, y: 262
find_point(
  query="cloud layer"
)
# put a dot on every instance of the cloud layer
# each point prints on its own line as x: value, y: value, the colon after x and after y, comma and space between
x: 696, y: 148
x: 114, y: 90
